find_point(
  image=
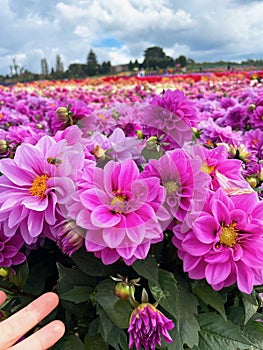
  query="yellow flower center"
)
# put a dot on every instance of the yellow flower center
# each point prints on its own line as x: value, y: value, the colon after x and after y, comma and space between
x: 207, y: 169
x: 171, y: 186
x: 39, y: 186
x: 118, y: 202
x: 229, y: 235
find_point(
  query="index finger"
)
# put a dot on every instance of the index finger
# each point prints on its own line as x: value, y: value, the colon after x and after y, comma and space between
x: 2, y: 297
x: 21, y: 322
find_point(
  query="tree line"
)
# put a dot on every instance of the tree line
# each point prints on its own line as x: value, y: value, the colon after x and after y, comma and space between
x: 155, y: 59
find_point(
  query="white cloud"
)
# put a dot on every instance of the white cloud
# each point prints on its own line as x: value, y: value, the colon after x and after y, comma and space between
x: 201, y: 30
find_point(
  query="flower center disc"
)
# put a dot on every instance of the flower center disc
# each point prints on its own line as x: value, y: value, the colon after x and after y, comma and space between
x: 118, y: 202
x: 228, y: 236
x: 39, y: 186
x: 171, y: 186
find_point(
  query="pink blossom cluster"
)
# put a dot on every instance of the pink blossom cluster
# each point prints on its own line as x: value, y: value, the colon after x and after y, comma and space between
x: 119, y: 171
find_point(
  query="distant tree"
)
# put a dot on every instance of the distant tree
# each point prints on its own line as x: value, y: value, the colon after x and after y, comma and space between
x: 105, y: 68
x: 92, y: 63
x: 130, y: 65
x: 44, y: 67
x: 77, y: 70
x: 59, y: 64
x: 155, y: 58
x: 182, y: 60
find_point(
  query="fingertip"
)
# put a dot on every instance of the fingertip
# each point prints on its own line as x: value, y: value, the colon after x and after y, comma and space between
x: 49, y: 298
x: 2, y: 297
x: 58, y: 328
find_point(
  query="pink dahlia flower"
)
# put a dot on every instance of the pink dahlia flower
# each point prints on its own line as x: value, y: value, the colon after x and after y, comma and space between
x: 35, y: 183
x: 177, y: 103
x: 185, y: 183
x: 147, y: 326
x: 225, y: 244
x: 224, y: 172
x: 9, y: 250
x: 120, y: 210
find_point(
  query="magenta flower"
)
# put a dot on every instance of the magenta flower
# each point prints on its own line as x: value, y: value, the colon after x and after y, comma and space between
x: 225, y: 244
x: 69, y: 236
x: 10, y: 250
x: 120, y: 210
x: 185, y: 182
x: 211, y: 132
x: 177, y: 103
x: 224, y: 172
x: 35, y: 184
x: 147, y: 326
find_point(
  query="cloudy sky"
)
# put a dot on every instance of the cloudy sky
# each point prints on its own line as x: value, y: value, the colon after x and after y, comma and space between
x: 120, y: 30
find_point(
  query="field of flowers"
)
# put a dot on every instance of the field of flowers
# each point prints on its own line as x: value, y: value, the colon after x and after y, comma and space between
x: 138, y: 200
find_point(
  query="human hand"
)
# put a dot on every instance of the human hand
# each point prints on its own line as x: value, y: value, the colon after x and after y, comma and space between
x: 14, y: 327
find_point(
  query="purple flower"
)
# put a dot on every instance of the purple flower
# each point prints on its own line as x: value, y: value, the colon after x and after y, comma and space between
x: 9, y: 250
x: 177, y: 103
x: 35, y: 184
x: 211, y: 132
x: 70, y: 237
x: 170, y: 118
x: 225, y: 244
x: 120, y: 210
x: 147, y: 326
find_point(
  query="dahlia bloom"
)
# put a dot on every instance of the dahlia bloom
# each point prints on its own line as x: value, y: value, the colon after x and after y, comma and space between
x: 33, y: 185
x: 212, y: 132
x: 9, y: 250
x: 223, y: 172
x: 120, y: 210
x: 147, y: 326
x: 225, y: 243
x: 185, y: 182
x: 172, y: 116
x: 177, y: 103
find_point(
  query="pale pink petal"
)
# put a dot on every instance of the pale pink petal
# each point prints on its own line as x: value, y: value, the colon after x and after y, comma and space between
x: 102, y: 217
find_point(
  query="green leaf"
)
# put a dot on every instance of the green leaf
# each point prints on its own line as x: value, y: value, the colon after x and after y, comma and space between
x: 95, y: 343
x: 91, y: 265
x: 165, y: 291
x: 73, y: 276
x: 254, y: 332
x: 217, y: 334
x: 117, y: 310
x: 250, y: 304
x: 111, y: 334
x: 154, y: 153
x: 147, y: 268
x: 186, y: 309
x: 19, y: 279
x: 78, y: 294
x: 70, y: 343
x: 44, y: 268
x: 210, y: 297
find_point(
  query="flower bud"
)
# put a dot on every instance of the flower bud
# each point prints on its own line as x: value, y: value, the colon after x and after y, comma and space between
x: 147, y: 326
x: 4, y: 271
x: 3, y: 147
x: 70, y: 237
x: 62, y: 114
x: 252, y: 181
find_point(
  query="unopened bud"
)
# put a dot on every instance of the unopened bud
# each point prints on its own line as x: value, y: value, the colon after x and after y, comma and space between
x: 70, y: 237
x: 139, y: 134
x: 4, y: 271
x: 252, y: 107
x: 62, y: 114
x: 252, y: 181
x: 99, y: 152
x: 3, y: 147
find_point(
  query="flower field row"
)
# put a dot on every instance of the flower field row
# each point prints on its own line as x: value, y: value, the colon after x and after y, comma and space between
x: 139, y: 201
